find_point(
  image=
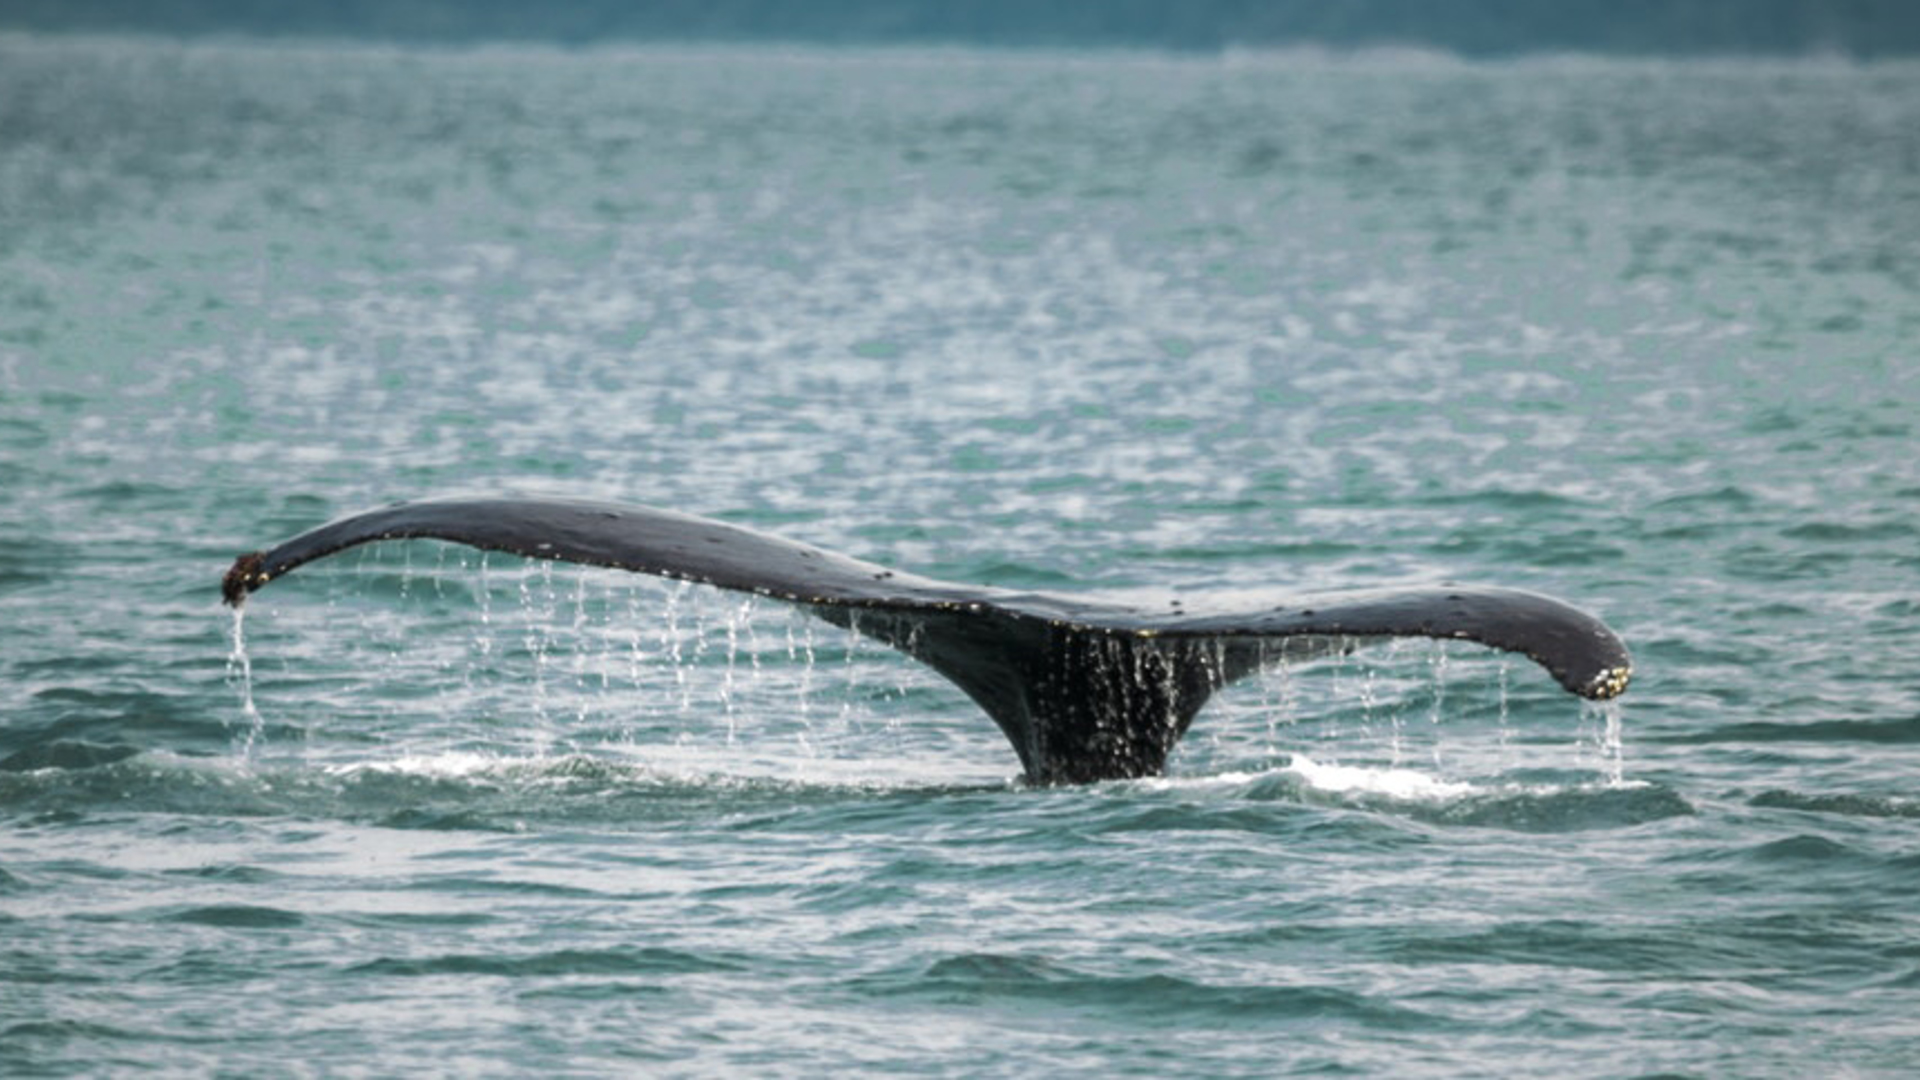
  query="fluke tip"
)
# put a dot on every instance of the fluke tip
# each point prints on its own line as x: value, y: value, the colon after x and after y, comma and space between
x: 245, y: 576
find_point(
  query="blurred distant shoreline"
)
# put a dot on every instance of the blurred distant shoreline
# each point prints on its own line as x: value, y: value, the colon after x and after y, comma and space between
x: 1860, y: 29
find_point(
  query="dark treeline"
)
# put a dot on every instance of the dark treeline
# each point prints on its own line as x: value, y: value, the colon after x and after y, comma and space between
x: 1861, y: 28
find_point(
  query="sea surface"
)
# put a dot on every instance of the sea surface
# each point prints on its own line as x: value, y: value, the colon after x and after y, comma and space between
x: 1641, y: 335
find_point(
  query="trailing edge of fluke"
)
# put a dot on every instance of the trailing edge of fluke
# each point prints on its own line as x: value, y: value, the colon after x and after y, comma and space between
x: 1083, y: 690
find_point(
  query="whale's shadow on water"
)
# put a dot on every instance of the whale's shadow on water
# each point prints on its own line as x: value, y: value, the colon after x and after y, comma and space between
x: 1083, y: 690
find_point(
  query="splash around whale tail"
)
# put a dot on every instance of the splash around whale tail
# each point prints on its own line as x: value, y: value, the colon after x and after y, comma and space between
x: 1083, y: 690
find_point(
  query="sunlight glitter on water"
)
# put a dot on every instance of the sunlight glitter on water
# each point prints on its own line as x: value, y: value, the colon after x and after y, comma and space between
x: 1632, y: 333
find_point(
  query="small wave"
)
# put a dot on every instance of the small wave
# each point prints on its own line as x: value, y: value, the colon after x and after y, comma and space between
x: 1567, y: 804
x: 449, y: 791
x: 1804, y: 848
x: 121, y: 496
x: 30, y: 563
x: 238, y: 916
x: 1727, y: 497
x: 562, y: 770
x: 566, y: 771
x: 595, y: 991
x: 107, y: 715
x: 1522, y: 807
x: 1804, y: 853
x: 228, y: 873
x: 1873, y: 806
x: 998, y: 968
x: 149, y: 781
x: 1848, y: 532
x: 65, y: 754
x: 1156, y: 996
x: 1807, y: 858
x: 1555, y: 942
x: 651, y: 960
x: 1509, y: 498
x: 1578, y: 809
x: 471, y: 885
x: 1904, y: 730
x: 423, y: 819
x: 64, y: 1031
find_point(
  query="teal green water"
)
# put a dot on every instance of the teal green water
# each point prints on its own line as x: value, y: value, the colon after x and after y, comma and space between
x: 1641, y: 335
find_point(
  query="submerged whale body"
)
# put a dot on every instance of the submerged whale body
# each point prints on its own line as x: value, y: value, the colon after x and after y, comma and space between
x: 1084, y: 690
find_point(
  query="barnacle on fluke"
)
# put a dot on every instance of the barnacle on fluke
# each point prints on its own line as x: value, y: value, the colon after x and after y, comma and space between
x: 1610, y: 683
x: 243, y: 577
x: 1083, y: 689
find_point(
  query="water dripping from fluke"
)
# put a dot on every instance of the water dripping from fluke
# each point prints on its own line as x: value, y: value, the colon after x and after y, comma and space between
x: 240, y: 674
x: 1083, y: 689
x: 1611, y: 740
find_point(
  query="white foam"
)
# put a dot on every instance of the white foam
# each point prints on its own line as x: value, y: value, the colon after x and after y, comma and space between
x: 1394, y: 783
x: 450, y: 764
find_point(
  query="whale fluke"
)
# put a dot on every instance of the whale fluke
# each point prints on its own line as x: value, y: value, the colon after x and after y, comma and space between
x: 1084, y: 690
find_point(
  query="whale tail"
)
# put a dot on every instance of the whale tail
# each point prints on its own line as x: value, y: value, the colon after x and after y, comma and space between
x: 1083, y: 690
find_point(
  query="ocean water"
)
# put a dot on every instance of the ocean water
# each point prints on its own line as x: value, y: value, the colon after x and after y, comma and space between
x: 1643, y: 335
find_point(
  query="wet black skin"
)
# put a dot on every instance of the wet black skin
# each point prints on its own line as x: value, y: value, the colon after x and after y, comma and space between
x: 1084, y: 690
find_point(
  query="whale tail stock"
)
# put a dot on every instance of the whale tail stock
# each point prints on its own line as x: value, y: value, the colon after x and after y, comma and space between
x: 1084, y: 690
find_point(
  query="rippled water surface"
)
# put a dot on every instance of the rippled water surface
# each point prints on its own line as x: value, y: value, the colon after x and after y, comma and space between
x: 1641, y: 335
